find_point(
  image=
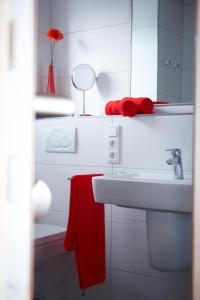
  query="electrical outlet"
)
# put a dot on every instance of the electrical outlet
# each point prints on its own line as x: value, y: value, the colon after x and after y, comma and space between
x: 113, y: 142
x: 112, y: 155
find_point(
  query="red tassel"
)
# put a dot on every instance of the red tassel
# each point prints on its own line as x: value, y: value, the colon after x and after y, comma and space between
x: 51, y: 85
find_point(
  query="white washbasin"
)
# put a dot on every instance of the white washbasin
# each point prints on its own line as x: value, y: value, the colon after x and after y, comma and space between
x: 145, y: 190
x: 168, y: 202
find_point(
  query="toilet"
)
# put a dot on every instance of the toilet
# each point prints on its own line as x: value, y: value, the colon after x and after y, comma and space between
x: 52, y: 263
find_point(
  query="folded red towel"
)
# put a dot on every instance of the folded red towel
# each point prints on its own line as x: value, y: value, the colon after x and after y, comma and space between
x: 110, y: 108
x: 124, y: 107
x: 144, y: 104
x: 127, y: 107
x: 86, y: 231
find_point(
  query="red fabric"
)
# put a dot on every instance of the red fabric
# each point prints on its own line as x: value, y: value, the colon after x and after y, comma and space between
x: 86, y: 232
x: 51, y: 86
x: 124, y: 107
x: 108, y: 108
x: 127, y: 107
x: 145, y: 105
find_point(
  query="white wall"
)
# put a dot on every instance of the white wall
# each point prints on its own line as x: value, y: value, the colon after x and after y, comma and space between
x: 144, y: 140
x: 97, y: 34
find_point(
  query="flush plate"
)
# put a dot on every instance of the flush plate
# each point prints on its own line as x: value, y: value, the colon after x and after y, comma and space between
x: 60, y: 139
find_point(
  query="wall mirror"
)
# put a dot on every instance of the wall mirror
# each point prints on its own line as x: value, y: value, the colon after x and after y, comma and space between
x: 163, y: 49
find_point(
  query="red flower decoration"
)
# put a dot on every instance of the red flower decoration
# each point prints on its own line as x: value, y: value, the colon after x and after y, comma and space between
x: 54, y: 34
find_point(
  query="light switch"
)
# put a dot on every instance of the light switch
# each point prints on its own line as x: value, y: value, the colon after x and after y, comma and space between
x: 113, y: 137
x: 113, y: 130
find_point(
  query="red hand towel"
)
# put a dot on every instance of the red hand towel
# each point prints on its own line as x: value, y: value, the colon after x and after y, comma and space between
x: 110, y: 108
x: 86, y: 232
x: 124, y: 107
x: 145, y: 105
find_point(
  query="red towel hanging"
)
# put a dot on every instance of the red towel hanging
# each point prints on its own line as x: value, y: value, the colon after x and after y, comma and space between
x: 86, y: 232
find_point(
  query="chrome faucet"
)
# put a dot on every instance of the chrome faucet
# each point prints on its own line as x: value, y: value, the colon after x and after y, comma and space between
x: 176, y: 161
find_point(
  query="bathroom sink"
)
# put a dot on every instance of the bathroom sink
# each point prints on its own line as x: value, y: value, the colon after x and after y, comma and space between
x: 145, y: 190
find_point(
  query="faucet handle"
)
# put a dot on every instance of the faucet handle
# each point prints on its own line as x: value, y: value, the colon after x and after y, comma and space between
x: 174, y: 151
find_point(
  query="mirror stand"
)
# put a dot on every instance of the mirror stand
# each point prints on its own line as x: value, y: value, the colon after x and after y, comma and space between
x: 83, y: 79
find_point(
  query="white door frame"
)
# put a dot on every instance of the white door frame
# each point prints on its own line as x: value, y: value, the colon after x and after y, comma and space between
x: 17, y: 114
x: 16, y: 149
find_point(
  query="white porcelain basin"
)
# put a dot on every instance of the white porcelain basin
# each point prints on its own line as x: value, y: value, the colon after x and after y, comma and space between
x: 168, y: 202
x: 145, y: 190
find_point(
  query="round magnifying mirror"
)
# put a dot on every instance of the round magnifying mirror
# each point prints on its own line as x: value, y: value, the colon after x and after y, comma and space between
x: 83, y: 77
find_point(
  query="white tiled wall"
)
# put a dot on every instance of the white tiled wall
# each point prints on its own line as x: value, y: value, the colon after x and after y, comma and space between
x: 97, y: 34
x: 144, y: 287
x: 144, y: 140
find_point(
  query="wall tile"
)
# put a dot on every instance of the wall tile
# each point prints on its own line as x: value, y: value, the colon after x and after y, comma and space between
x: 41, y: 85
x: 169, y: 80
x: 187, y: 83
x: 106, y: 50
x: 140, y: 136
x: 171, y: 16
x: 57, y: 218
x: 139, y: 287
x: 44, y: 10
x: 144, y: 75
x: 108, y: 223
x: 145, y: 13
x: 145, y: 43
x: 91, y: 151
x: 188, y: 2
x: 170, y: 46
x: 73, y: 15
x: 129, y: 251
x: 43, y: 55
x: 169, y: 98
x: 189, y: 20
x: 188, y: 52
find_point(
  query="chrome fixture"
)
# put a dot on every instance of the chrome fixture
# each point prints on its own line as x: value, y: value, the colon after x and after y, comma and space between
x: 176, y: 161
